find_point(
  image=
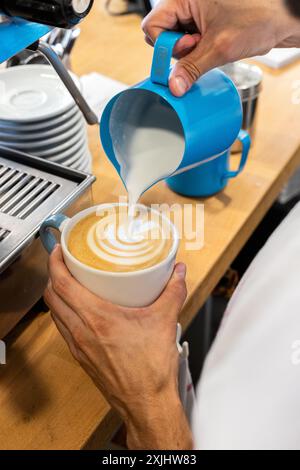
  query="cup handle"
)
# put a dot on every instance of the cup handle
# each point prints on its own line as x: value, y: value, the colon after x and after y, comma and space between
x: 245, y: 140
x: 57, y: 222
x: 162, y: 56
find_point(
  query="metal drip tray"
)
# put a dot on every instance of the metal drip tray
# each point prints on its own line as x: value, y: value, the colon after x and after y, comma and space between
x: 31, y: 189
x: 22, y: 192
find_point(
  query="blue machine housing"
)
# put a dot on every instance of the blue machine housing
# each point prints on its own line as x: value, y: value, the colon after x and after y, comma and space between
x: 17, y: 34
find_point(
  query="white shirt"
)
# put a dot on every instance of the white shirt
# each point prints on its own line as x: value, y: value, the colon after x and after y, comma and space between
x: 249, y: 393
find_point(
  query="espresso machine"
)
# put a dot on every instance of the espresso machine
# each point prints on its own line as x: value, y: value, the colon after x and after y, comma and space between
x: 23, y: 207
x: 25, y: 22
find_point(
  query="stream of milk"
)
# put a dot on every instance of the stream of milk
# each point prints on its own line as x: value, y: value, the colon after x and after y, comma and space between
x: 149, y: 143
x: 153, y: 155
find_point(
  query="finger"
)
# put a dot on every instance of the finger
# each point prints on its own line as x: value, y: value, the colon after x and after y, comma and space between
x: 66, y: 335
x: 208, y: 54
x: 162, y: 18
x: 174, y: 295
x: 186, y: 44
x: 61, y: 311
x: 78, y: 354
x: 70, y: 327
x: 149, y: 41
x: 170, y: 15
x: 78, y: 298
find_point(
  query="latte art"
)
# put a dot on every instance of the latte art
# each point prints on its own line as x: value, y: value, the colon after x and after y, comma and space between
x: 115, y: 241
x: 128, y: 244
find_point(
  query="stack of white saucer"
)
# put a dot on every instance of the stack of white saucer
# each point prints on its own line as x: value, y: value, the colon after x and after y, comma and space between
x: 38, y: 116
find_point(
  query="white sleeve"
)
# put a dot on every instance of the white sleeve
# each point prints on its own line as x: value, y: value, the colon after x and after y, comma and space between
x: 249, y: 393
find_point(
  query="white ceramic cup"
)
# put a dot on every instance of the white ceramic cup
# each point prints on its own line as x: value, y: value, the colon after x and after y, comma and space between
x: 131, y: 289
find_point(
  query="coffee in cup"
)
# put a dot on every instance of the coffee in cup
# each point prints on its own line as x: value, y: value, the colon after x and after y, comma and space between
x: 114, y: 240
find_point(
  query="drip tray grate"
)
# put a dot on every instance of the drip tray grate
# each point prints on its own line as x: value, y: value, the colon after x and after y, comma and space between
x: 31, y: 189
x: 21, y: 193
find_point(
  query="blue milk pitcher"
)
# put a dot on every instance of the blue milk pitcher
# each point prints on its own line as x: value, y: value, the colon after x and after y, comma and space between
x: 208, y: 118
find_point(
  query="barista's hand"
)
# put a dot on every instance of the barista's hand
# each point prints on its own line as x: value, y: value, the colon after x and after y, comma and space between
x: 222, y: 31
x: 130, y: 354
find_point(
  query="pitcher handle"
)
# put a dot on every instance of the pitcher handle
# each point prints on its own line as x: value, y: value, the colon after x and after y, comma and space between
x: 245, y: 140
x: 57, y: 222
x: 163, y: 51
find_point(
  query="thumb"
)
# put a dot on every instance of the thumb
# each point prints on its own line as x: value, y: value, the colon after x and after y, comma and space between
x: 174, y: 295
x: 204, y: 57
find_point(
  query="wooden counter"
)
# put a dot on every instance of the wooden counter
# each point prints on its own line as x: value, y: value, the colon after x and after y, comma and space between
x: 46, y: 400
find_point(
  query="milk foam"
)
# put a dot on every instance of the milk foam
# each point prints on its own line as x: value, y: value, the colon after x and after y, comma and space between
x: 126, y: 240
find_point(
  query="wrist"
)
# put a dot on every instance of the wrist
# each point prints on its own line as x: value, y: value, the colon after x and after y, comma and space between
x: 159, y: 423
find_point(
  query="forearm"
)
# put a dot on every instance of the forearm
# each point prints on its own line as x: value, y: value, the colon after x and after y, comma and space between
x: 160, y: 424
